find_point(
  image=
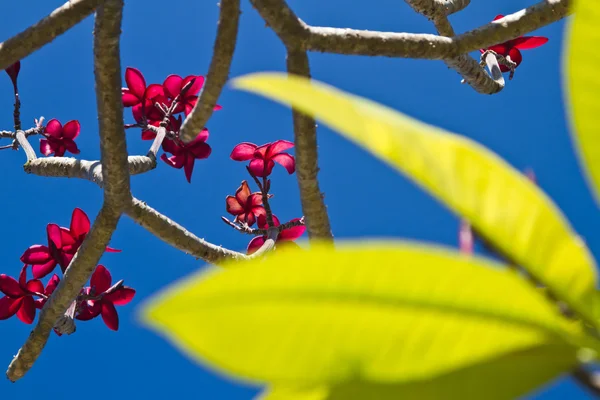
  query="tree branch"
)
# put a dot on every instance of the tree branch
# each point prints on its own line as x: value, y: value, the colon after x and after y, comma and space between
x: 43, y: 32
x: 75, y: 277
x: 307, y: 168
x: 107, y: 71
x: 279, y: 16
x: 589, y: 380
x: 218, y: 72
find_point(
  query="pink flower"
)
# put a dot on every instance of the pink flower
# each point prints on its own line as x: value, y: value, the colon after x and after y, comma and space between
x: 186, y: 154
x: 512, y: 48
x: 140, y: 97
x: 244, y: 205
x: 286, y: 235
x: 59, y: 139
x: 13, y: 73
x: 173, y: 86
x: 263, y: 158
x: 105, y: 298
x: 18, y: 297
x: 63, y: 243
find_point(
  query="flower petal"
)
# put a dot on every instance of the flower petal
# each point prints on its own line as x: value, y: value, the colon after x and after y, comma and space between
x: 255, y: 244
x: 170, y: 146
x: 154, y: 91
x: 53, y: 128
x: 101, y: 279
x: 196, y: 86
x: 529, y: 42
x: 54, y: 235
x: 232, y: 206
x: 41, y: 270
x: 497, y: 17
x: 26, y: 312
x: 9, y: 307
x: 261, y: 168
x: 45, y: 147
x: 71, y: 146
x: 200, y: 138
x: 255, y: 199
x: 200, y: 151
x: 243, y: 151
x: 217, y: 107
x: 36, y: 254
x: 172, y: 85
x: 87, y: 311
x: 121, y: 297
x: 174, y: 161
x: 10, y: 287
x: 110, y: 315
x: 278, y: 146
x: 71, y: 129
x: 286, y: 160
x: 80, y: 223
x: 129, y: 99
x: 188, y: 168
x: 515, y: 56
x: 148, y: 135
x: 292, y: 233
x: 112, y: 250
x: 35, y: 286
x: 262, y: 221
x: 242, y: 193
x: 51, y: 285
x: 135, y: 82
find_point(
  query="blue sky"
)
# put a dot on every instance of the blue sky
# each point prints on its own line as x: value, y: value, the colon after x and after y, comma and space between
x: 525, y: 124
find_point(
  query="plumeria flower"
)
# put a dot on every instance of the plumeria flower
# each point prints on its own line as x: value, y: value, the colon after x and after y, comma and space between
x: 174, y: 126
x: 13, y: 73
x: 18, y: 296
x: 63, y: 243
x: 105, y: 298
x: 140, y: 97
x: 173, y: 86
x: 512, y: 47
x: 184, y: 155
x: 48, y: 290
x: 263, y: 157
x: 59, y: 139
x: 244, y: 205
x: 285, y: 236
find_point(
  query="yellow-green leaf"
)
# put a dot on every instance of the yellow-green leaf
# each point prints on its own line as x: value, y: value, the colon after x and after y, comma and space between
x: 582, y: 86
x: 507, y: 377
x: 511, y: 212
x: 383, y: 313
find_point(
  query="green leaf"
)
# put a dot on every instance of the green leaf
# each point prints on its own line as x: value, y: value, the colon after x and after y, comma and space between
x: 582, y: 86
x: 511, y: 212
x: 506, y: 377
x: 383, y: 313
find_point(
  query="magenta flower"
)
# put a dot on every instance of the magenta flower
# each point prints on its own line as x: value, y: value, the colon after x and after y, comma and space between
x: 18, y: 296
x: 105, y: 299
x: 13, y: 73
x: 185, y: 154
x: 140, y: 97
x: 173, y: 85
x: 286, y: 235
x: 263, y: 158
x: 59, y: 139
x: 244, y: 205
x: 512, y: 47
x: 63, y: 243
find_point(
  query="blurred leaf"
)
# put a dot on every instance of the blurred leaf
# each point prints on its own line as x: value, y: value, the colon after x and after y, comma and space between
x: 502, y: 205
x: 582, y: 86
x: 383, y: 313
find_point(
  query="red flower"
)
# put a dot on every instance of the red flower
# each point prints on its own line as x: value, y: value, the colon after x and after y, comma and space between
x: 263, y: 158
x: 286, y: 235
x: 140, y: 97
x: 173, y: 85
x: 63, y: 243
x: 186, y: 154
x: 512, y: 48
x: 105, y: 299
x: 245, y: 206
x: 13, y: 73
x: 48, y: 290
x: 18, y: 297
x: 59, y: 139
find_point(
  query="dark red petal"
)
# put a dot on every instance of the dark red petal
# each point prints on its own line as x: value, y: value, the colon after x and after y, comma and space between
x: 101, y: 279
x: 232, y: 206
x: 217, y: 107
x: 80, y: 223
x: 260, y: 168
x: 249, y: 218
x: 497, y: 17
x: 137, y: 112
x: 196, y: 86
x: 242, y: 193
x: 9, y: 307
x: 41, y: 270
x: 286, y: 160
x: 121, y: 296
x: 501, y: 49
x: 172, y: 85
x: 261, y: 151
x: 13, y: 72
x: 10, y: 287
x: 278, y: 146
x: 529, y: 42
x: 53, y: 128
x: 200, y: 151
x: 170, y: 146
x: 26, y: 312
x: 148, y: 135
x: 59, y: 150
x: 200, y: 138
x: 258, y: 211
x: 36, y: 254
x: 88, y: 311
x: 255, y: 199
x: 188, y: 168
x: 71, y: 129
x: 46, y: 147
x: 243, y: 151
x: 71, y: 146
x: 35, y: 286
x: 54, y: 235
x: 65, y: 260
x: 292, y: 233
x: 51, y: 285
x: 129, y: 99
x: 154, y: 92
x: 255, y: 244
x: 262, y: 221
x: 110, y: 315
x: 135, y: 82
x: 173, y: 161
x: 515, y: 56
x: 112, y: 250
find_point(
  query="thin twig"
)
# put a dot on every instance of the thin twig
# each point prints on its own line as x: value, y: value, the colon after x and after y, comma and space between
x: 218, y: 72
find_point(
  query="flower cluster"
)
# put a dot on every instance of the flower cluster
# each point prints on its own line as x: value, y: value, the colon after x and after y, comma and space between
x: 154, y: 104
x: 23, y: 297
x: 250, y: 208
x: 511, y: 50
